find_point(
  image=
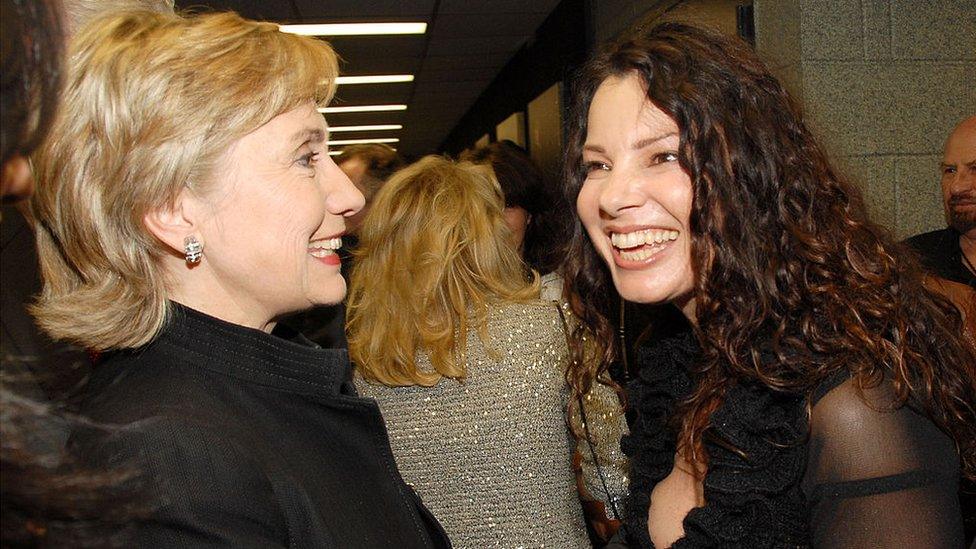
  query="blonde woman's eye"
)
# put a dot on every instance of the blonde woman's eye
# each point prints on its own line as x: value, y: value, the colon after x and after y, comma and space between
x: 308, y: 160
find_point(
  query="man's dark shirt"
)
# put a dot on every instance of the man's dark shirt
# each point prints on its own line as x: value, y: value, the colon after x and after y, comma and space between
x: 941, y: 255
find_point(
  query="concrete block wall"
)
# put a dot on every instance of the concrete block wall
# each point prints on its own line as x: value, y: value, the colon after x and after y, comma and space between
x: 882, y: 82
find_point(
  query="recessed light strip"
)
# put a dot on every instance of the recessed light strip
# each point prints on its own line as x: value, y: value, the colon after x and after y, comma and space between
x: 355, y: 29
x: 362, y: 108
x: 338, y: 142
x: 374, y: 79
x: 337, y: 152
x: 367, y: 128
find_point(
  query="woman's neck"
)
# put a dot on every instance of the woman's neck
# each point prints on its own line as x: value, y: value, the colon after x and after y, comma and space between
x: 687, y: 306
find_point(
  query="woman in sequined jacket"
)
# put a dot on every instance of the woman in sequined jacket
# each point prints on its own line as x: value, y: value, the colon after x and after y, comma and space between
x: 821, y: 397
x: 536, y: 217
x: 448, y: 335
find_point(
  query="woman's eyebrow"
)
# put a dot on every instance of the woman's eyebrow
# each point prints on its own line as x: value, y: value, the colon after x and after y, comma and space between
x: 307, y: 135
x: 648, y: 141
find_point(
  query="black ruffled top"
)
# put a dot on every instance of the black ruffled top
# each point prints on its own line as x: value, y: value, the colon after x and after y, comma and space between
x: 759, y: 490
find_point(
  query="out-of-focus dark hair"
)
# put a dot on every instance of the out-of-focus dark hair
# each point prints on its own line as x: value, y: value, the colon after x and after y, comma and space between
x: 381, y: 161
x: 46, y: 498
x: 793, y: 282
x: 32, y: 51
x: 524, y: 186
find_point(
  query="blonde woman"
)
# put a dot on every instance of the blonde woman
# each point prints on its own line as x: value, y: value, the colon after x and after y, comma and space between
x: 466, y: 363
x: 186, y: 201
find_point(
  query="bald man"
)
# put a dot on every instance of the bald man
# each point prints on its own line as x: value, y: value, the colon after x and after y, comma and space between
x: 950, y: 253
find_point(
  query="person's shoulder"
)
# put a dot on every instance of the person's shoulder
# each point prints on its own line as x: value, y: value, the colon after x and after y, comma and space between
x: 134, y: 385
x: 526, y: 319
x: 924, y: 242
x: 534, y: 307
x: 839, y: 406
x: 864, y: 425
x: 526, y: 328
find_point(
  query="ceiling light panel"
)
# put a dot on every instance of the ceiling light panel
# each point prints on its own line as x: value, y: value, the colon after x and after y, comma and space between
x: 374, y: 79
x: 366, y: 128
x: 362, y: 108
x: 355, y: 29
x: 337, y: 142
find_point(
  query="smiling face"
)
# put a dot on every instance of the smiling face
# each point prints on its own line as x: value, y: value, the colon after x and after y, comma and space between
x: 636, y: 199
x: 276, y: 217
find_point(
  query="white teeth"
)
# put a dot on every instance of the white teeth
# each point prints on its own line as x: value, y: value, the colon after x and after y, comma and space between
x: 640, y: 255
x: 322, y: 248
x: 640, y: 238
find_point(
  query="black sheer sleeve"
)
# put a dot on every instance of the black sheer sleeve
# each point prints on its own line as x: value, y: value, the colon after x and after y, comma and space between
x: 878, y: 476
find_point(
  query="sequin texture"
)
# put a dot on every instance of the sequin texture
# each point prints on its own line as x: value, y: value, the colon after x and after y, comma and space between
x: 490, y: 455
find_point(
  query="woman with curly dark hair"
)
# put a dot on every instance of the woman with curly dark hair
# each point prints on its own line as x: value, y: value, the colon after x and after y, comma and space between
x: 822, y: 397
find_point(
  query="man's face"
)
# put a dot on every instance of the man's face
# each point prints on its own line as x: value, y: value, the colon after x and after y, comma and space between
x: 356, y: 170
x: 959, y: 178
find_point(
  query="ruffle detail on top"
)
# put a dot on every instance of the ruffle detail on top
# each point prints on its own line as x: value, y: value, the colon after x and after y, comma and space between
x: 757, y: 456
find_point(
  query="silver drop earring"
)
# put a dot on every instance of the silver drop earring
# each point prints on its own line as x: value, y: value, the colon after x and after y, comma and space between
x: 192, y: 249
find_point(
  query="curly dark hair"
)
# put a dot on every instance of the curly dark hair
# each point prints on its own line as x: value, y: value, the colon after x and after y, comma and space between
x: 793, y: 281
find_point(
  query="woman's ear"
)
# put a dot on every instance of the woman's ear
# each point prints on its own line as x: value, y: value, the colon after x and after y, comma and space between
x: 172, y: 224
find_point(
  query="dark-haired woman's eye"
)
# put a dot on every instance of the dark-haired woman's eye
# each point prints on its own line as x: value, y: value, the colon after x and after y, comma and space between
x: 594, y: 166
x: 664, y: 157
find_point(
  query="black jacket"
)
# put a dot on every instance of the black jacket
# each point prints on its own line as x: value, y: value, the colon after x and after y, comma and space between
x: 250, y: 440
x: 941, y: 255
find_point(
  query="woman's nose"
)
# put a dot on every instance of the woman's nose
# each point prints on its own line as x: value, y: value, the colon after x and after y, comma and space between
x: 341, y: 196
x: 620, y: 191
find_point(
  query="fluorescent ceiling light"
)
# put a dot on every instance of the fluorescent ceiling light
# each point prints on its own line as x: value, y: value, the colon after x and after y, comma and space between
x: 375, y: 79
x: 367, y: 128
x: 338, y: 142
x: 355, y: 29
x: 362, y: 108
x: 338, y: 152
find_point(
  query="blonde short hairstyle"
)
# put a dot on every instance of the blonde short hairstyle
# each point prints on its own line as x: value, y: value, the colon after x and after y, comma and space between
x: 152, y: 102
x: 434, y: 253
x: 79, y: 12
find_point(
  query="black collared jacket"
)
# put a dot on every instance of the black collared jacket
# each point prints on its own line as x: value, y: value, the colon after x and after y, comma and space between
x: 247, y: 439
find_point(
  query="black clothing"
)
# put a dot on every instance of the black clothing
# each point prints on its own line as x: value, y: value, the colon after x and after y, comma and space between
x: 39, y: 368
x: 940, y: 254
x: 251, y: 440
x: 861, y: 479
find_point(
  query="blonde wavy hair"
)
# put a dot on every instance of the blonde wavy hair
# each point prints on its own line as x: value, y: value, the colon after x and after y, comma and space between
x: 152, y: 102
x: 434, y: 254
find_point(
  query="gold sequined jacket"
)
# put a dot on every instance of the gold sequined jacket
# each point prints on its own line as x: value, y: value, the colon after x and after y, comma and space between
x: 490, y: 455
